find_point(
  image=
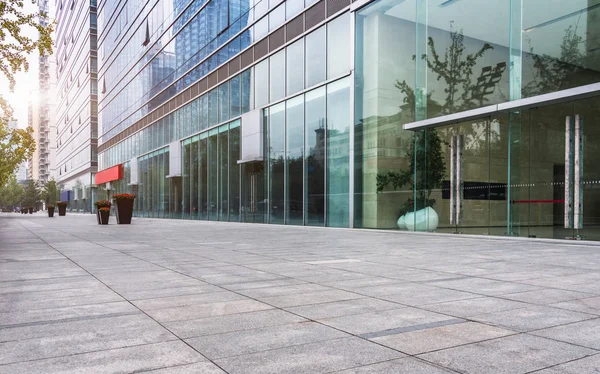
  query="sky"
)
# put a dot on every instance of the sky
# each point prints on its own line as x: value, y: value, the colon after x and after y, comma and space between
x: 27, y: 83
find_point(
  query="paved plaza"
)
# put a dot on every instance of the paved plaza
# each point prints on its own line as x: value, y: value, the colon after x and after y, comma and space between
x: 171, y: 296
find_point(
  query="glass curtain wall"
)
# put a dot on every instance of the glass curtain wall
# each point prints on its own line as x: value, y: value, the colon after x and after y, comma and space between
x: 154, y: 189
x: 452, y: 57
x: 309, y: 149
x: 212, y: 191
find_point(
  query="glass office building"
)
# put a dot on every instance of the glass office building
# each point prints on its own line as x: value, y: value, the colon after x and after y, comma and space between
x: 431, y: 115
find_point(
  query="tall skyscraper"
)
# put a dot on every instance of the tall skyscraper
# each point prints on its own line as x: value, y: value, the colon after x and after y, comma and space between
x: 76, y: 95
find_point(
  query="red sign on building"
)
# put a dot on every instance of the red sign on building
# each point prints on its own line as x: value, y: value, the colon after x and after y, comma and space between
x: 108, y: 175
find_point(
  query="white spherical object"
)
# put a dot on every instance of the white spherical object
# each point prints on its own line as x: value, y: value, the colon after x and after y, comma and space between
x: 401, y: 224
x: 422, y: 220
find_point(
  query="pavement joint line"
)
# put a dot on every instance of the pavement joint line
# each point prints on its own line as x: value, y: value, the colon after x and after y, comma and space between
x: 72, y: 319
x: 135, y: 306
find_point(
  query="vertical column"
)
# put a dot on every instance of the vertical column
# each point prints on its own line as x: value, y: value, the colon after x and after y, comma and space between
x: 516, y: 48
x: 452, y: 180
x: 568, y: 173
x: 421, y: 64
x: 578, y: 173
x: 459, y: 177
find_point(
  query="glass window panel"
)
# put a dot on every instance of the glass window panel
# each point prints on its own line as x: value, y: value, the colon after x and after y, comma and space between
x: 223, y: 174
x: 295, y: 160
x: 338, y: 53
x: 213, y: 108
x: 167, y: 184
x: 203, y: 112
x: 561, y: 45
x: 194, y: 117
x: 315, y: 61
x: 261, y: 28
x: 261, y: 83
x: 223, y: 102
x: 261, y: 8
x: 194, y: 180
x: 235, y: 96
x: 314, y: 172
x: 277, y: 17
x: 295, y: 67
x: 203, y: 178
x: 277, y: 162
x: 234, y: 171
x: 213, y: 168
x: 338, y: 153
x: 247, y: 91
x: 292, y: 8
x: 186, y: 155
x: 277, y: 76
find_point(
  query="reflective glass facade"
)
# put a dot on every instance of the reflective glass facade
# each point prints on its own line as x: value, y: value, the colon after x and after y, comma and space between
x: 448, y: 116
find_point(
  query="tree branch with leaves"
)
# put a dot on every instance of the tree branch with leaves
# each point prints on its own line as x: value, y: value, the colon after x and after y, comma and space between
x: 17, y: 145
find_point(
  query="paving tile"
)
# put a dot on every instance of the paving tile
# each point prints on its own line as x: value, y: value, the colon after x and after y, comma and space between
x: 309, y: 298
x: 233, y: 322
x: 436, y: 338
x: 185, y: 300
x: 472, y: 307
x: 121, y: 360
x: 585, y: 333
x: 586, y: 365
x: 590, y: 305
x: 511, y: 355
x: 284, y: 290
x: 548, y: 296
x: 407, y: 365
x: 321, y: 357
x: 385, y: 320
x: 427, y: 295
x: 67, y: 338
x: 485, y: 286
x: 343, y: 308
x: 206, y: 310
x: 37, y: 316
x: 531, y: 318
x: 197, y: 368
x: 262, y: 339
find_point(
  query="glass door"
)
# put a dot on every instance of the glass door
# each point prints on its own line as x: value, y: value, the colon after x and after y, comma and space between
x: 464, y: 206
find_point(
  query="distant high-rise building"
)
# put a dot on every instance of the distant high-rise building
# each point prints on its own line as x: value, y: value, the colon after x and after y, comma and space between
x: 76, y: 95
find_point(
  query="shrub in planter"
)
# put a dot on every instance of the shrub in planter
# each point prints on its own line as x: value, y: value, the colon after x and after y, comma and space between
x: 62, y: 208
x: 50, y: 210
x: 101, y: 204
x: 103, y: 215
x: 124, y: 207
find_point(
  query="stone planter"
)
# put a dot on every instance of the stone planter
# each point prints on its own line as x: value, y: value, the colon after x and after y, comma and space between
x: 50, y: 211
x: 62, y: 210
x: 103, y: 217
x: 30, y: 210
x: 421, y: 220
x: 123, y: 211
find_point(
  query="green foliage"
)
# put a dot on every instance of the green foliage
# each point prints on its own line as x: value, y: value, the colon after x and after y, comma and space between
x: 10, y: 194
x: 32, y: 194
x: 51, y: 192
x: 456, y: 69
x: 426, y: 158
x: 17, y: 146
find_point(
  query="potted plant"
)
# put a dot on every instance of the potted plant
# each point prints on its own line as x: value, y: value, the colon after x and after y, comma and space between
x: 30, y: 210
x: 103, y: 215
x: 50, y: 210
x: 124, y: 207
x: 425, y: 155
x: 101, y: 204
x: 62, y: 208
